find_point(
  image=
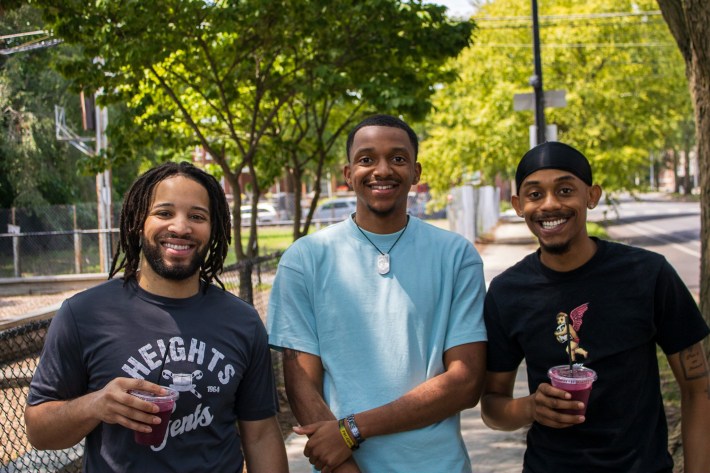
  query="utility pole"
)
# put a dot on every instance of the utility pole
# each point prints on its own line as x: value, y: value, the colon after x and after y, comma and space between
x: 536, y: 80
x: 103, y: 179
x: 103, y: 192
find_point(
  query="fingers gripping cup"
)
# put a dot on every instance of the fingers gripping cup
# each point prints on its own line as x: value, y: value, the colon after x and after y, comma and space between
x: 165, y: 404
x: 577, y: 381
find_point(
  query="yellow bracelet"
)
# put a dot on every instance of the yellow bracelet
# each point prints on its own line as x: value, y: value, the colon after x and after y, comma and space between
x: 346, y: 436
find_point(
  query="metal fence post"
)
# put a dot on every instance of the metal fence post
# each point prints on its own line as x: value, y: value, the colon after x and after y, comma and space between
x: 17, y: 270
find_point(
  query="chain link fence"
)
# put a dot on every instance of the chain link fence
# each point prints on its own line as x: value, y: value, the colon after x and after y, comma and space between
x: 20, y: 348
x: 52, y: 239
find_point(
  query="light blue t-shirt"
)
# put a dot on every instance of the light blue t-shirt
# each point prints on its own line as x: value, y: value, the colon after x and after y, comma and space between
x: 380, y: 336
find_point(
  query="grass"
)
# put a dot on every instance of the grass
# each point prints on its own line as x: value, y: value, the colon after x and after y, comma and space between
x: 596, y: 230
x: 269, y: 238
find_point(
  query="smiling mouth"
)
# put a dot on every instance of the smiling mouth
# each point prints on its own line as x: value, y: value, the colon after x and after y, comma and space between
x: 381, y: 187
x: 173, y: 246
x: 550, y: 224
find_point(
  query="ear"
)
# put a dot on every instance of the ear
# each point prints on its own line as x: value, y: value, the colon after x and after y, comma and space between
x: 515, y: 202
x: 595, y: 193
x: 417, y: 172
x: 346, y: 174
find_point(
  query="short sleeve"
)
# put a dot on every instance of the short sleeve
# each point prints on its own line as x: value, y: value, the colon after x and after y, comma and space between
x: 256, y: 396
x: 291, y: 319
x: 466, y: 318
x: 61, y: 373
x: 503, y: 352
x: 679, y: 323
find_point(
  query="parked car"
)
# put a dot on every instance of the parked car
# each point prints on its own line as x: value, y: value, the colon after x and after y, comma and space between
x: 265, y: 214
x: 335, y: 209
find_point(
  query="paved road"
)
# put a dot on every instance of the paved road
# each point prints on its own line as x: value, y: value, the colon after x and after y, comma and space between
x: 668, y: 227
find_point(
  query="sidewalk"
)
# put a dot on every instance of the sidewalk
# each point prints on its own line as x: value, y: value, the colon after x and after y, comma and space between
x: 490, y: 451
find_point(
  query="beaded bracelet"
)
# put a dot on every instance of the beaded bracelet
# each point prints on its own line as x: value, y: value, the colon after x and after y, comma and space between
x: 344, y: 432
x: 353, y: 428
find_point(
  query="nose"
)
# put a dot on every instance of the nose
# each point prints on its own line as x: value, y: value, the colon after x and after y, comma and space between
x: 180, y: 225
x: 382, y: 168
x: 550, y: 201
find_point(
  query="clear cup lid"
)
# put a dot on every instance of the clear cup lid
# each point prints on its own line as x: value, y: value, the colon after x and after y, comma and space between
x: 563, y: 374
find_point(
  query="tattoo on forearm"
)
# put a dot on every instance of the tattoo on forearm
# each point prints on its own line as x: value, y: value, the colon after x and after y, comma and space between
x: 693, y: 361
x: 289, y: 354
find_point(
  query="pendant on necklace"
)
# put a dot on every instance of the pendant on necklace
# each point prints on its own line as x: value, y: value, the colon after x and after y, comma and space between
x: 383, y: 263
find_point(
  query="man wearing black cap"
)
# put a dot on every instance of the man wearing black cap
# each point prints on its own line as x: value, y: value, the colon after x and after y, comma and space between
x: 616, y: 303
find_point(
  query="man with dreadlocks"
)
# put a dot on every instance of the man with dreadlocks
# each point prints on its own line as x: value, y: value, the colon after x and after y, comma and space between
x: 162, y: 322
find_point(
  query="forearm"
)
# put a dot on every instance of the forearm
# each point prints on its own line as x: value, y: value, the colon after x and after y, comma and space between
x: 56, y: 425
x: 692, y: 372
x: 457, y: 388
x: 695, y: 424
x: 263, y: 445
x: 501, y: 412
x: 428, y: 403
x: 303, y: 376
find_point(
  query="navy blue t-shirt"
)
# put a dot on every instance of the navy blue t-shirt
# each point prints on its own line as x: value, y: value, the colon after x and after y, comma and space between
x: 217, y: 358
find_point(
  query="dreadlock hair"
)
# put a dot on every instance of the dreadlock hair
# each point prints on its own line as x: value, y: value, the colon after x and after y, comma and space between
x: 136, y: 204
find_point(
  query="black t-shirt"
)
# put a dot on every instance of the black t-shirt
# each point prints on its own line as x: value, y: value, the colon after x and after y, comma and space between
x: 218, y: 359
x: 622, y: 303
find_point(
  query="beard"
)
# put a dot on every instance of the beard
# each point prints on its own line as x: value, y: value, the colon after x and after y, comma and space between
x: 556, y: 248
x: 381, y: 212
x: 177, y: 272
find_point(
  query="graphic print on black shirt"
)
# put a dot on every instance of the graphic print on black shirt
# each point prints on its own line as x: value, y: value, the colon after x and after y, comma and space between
x: 566, y: 331
x: 197, y: 371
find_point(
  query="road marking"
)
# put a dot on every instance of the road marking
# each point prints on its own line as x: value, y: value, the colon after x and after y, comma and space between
x: 660, y: 238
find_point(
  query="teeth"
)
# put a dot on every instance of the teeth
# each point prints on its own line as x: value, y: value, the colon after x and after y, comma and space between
x: 382, y: 188
x: 177, y: 247
x: 553, y: 223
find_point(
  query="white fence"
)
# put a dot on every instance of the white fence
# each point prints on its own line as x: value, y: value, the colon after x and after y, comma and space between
x: 473, y: 211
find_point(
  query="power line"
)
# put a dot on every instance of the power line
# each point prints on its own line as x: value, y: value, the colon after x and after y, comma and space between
x: 579, y: 16
x: 577, y: 45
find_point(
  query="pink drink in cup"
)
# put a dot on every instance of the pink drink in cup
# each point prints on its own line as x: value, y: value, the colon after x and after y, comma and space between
x: 166, y: 404
x: 577, y: 381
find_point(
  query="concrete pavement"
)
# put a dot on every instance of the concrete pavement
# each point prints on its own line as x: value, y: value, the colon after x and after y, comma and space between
x: 490, y: 451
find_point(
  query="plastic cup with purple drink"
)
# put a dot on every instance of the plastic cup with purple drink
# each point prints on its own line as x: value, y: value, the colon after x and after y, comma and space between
x: 165, y: 404
x: 577, y: 381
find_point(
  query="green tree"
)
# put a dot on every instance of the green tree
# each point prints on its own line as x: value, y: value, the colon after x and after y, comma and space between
x: 616, y: 62
x: 216, y: 74
x: 35, y: 169
x: 414, y: 44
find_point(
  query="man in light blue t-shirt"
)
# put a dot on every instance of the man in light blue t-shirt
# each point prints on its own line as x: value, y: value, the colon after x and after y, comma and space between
x: 380, y: 321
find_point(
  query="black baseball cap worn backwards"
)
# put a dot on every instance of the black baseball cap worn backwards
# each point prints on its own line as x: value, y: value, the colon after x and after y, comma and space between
x: 553, y: 155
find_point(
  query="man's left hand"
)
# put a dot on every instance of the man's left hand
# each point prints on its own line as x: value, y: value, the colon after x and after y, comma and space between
x: 326, y: 448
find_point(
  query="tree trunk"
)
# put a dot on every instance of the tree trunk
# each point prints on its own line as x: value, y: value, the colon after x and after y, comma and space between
x: 687, y: 182
x: 689, y: 22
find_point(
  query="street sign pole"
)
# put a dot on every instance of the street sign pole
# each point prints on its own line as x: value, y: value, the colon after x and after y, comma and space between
x: 536, y: 80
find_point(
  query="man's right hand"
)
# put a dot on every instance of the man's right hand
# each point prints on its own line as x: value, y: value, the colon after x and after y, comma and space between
x: 547, y: 403
x: 55, y: 425
x: 115, y: 405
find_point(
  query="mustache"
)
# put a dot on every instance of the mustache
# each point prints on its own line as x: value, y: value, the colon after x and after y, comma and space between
x: 169, y: 235
x: 551, y: 215
x: 391, y: 180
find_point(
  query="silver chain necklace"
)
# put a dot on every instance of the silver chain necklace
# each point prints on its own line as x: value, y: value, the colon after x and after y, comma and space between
x: 383, y: 259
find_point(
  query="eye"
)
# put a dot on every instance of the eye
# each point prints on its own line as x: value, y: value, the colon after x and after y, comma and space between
x: 364, y: 160
x: 162, y: 213
x: 399, y: 159
x: 534, y: 195
x: 199, y: 217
